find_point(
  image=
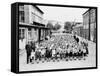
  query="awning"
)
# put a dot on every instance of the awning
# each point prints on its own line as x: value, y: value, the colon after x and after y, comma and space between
x: 37, y: 25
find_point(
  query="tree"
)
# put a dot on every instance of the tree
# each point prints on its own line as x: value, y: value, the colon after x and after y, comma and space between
x: 57, y: 27
x: 50, y: 25
x: 68, y: 26
x: 74, y: 24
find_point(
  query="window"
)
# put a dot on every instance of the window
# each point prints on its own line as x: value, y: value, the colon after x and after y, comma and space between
x: 21, y: 8
x: 21, y: 16
x: 21, y: 33
x: 29, y: 33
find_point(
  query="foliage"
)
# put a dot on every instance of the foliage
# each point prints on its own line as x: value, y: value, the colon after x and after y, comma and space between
x: 67, y: 26
x: 57, y: 27
x: 50, y: 25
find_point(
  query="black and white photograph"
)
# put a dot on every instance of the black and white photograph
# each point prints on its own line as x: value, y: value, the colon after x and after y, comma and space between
x: 56, y: 37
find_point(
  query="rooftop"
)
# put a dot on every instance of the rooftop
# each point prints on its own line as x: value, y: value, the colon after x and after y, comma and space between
x: 38, y: 9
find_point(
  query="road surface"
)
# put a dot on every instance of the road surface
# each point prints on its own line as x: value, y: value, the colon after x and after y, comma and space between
x: 90, y: 61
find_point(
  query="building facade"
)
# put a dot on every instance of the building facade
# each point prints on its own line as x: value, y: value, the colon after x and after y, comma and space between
x: 89, y: 24
x: 86, y: 25
x: 31, y: 27
x: 93, y: 25
x: 78, y: 29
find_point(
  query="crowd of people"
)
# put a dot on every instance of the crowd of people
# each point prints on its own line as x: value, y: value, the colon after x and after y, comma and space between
x: 59, y: 47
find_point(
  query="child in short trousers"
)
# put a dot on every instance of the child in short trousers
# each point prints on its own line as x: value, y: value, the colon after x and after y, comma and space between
x: 32, y: 55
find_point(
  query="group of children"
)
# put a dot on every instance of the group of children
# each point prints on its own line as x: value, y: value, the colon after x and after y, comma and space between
x: 60, y: 50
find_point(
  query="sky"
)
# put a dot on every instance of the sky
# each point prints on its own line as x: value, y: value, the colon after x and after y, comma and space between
x: 63, y: 14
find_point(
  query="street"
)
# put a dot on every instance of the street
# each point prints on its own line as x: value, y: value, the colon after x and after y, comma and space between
x: 90, y: 61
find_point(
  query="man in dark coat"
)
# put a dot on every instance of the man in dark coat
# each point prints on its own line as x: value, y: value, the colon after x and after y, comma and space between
x: 76, y: 38
x: 33, y: 45
x: 28, y: 51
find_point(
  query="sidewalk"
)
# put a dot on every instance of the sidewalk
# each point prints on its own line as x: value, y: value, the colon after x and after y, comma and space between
x: 22, y: 51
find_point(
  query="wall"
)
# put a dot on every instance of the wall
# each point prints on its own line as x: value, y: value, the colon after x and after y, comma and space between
x: 86, y: 25
x: 36, y: 15
x: 89, y: 19
x: 92, y: 24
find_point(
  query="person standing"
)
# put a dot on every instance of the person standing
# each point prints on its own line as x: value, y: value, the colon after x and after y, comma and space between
x: 32, y: 56
x: 28, y: 51
x: 76, y: 38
